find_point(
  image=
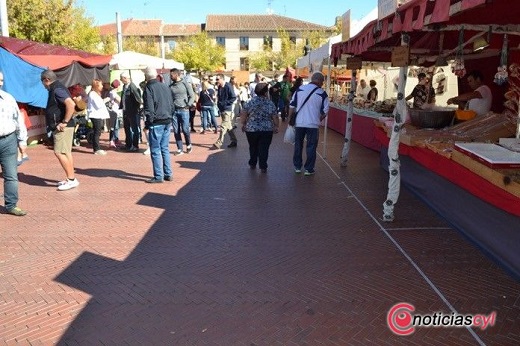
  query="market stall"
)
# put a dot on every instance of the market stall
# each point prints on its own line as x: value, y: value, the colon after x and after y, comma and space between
x: 432, y: 33
x: 135, y: 63
x: 23, y: 61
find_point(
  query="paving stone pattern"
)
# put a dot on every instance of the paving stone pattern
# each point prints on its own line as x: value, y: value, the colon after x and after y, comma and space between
x: 226, y: 255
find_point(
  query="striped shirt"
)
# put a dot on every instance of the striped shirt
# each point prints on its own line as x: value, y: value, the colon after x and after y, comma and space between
x: 11, y: 119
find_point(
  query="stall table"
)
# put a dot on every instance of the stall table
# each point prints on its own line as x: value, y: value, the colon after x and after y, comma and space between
x: 363, y: 125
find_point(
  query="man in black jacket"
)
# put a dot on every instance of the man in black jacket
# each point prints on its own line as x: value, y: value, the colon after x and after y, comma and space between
x: 131, y: 101
x: 225, y: 98
x: 158, y: 108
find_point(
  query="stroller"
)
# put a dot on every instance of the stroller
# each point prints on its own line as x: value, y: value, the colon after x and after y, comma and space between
x: 82, y: 130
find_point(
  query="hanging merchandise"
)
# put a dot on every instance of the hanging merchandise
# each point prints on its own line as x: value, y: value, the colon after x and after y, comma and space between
x: 501, y: 76
x: 441, y: 81
x: 457, y: 67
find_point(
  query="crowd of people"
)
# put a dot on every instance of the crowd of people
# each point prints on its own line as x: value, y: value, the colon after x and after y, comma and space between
x: 153, y: 110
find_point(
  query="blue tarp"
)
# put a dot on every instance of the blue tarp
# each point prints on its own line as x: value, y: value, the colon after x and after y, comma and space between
x: 23, y: 80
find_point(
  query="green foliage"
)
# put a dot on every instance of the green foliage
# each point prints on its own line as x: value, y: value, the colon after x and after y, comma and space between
x: 145, y: 45
x: 290, y: 51
x: 338, y: 26
x: 108, y: 44
x: 262, y: 61
x: 316, y: 38
x: 199, y: 53
x: 267, y: 60
x: 58, y: 22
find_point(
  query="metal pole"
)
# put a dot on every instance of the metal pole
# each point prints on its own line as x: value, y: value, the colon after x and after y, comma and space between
x: 119, y: 34
x: 3, y: 18
x: 326, y: 118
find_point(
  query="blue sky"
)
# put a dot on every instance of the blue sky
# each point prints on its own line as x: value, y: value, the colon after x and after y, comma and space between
x: 195, y: 11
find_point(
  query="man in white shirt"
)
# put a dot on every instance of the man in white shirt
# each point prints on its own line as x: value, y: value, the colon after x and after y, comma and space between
x: 12, y: 132
x: 311, y: 103
x: 252, y: 85
x: 363, y: 89
x: 479, y: 100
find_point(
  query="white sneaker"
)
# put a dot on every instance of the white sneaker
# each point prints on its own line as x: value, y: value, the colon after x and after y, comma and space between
x: 69, y: 184
x: 100, y: 152
x: 179, y: 152
x: 146, y: 152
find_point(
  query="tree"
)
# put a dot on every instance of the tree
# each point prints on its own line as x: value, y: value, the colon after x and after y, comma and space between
x: 290, y: 51
x: 316, y: 38
x: 108, y: 44
x: 58, y: 22
x: 199, y: 52
x: 144, y: 45
x: 262, y: 61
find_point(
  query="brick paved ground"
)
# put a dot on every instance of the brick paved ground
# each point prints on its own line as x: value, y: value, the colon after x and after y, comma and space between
x: 228, y: 256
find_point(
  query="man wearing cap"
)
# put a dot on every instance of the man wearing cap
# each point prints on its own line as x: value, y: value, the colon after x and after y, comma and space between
x: 131, y: 101
x: 12, y: 132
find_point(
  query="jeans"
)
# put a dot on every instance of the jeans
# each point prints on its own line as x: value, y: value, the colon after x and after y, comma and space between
x: 9, y: 163
x: 181, y: 123
x: 158, y: 142
x: 132, y: 124
x: 283, y: 107
x: 312, y: 135
x: 97, y: 125
x: 259, y: 143
x: 208, y: 117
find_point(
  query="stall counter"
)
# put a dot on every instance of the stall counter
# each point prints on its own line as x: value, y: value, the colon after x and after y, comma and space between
x: 363, y: 126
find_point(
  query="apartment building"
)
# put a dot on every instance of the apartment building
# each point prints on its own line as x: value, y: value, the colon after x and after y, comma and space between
x: 241, y: 35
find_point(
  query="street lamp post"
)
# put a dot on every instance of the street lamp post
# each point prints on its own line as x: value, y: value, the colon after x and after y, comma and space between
x: 3, y: 18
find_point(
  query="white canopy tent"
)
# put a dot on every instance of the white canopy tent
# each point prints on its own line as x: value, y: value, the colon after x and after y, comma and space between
x: 137, y: 61
x: 314, y: 60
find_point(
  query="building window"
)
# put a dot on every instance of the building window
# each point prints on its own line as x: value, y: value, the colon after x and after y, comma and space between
x: 292, y: 39
x: 244, y: 64
x: 221, y: 41
x: 170, y: 45
x: 244, y: 43
x: 268, y: 41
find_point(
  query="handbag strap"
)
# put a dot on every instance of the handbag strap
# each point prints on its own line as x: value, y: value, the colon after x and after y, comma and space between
x: 307, y: 98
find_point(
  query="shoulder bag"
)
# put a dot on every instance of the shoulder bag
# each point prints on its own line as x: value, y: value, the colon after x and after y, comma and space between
x: 292, y: 119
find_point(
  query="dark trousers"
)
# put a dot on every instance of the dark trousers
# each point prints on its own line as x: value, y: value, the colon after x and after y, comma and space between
x: 132, y: 124
x: 97, y: 126
x: 259, y: 143
x: 193, y: 110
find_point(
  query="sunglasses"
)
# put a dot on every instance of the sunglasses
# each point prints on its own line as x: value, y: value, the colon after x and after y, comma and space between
x: 217, y: 78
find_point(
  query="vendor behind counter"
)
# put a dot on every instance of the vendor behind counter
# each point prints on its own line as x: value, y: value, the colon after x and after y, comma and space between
x: 423, y: 94
x: 479, y: 99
